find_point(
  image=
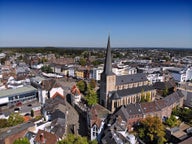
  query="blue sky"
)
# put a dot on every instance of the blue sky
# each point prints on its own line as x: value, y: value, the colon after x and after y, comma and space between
x: 131, y: 23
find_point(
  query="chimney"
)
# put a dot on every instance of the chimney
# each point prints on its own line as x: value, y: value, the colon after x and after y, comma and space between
x: 42, y: 139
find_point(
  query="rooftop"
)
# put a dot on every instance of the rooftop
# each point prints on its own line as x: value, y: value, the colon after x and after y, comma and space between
x: 126, y: 79
x: 15, y: 130
x: 21, y: 90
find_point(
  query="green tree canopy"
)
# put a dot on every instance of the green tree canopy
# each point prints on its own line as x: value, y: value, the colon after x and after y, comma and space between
x: 15, y: 119
x: 3, y: 123
x: 91, y: 96
x: 92, y: 83
x: 21, y: 141
x: 145, y: 97
x: 165, y: 91
x: 151, y: 130
x: 172, y: 121
x: 82, y: 61
x: 184, y: 114
x: 32, y: 113
x: 46, y: 69
x: 74, y: 139
x: 148, y: 97
x: 82, y: 85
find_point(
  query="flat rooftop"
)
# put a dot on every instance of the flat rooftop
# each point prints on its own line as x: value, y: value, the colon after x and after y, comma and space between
x: 17, y: 91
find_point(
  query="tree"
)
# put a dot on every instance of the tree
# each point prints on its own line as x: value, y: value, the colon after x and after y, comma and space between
x: 15, y: 119
x: 74, y: 139
x: 93, y: 142
x: 151, y: 130
x: 185, y: 114
x: 3, y: 123
x: 81, y: 85
x: 148, y: 97
x: 145, y: 97
x: 92, y: 83
x: 91, y: 97
x: 46, y: 69
x: 172, y: 121
x: 142, y: 96
x: 21, y: 141
x: 82, y: 61
x: 165, y: 91
x: 32, y: 113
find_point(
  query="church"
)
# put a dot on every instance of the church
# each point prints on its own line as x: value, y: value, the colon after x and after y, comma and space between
x: 124, y: 89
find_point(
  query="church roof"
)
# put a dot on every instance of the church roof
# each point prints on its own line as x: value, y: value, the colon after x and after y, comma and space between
x: 108, y: 60
x: 135, y: 90
x: 115, y: 95
x: 126, y: 79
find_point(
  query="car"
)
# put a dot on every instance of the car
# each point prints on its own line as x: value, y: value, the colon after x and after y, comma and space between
x: 17, y: 109
x: 27, y: 114
x: 19, y: 104
x: 29, y: 105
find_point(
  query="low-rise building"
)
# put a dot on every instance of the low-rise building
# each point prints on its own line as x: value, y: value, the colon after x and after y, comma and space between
x: 162, y: 108
x: 96, y: 119
x: 12, y: 96
x: 11, y: 134
x: 44, y: 137
x: 75, y: 95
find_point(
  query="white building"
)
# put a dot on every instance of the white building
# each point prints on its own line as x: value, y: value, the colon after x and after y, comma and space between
x: 178, y: 74
x: 156, y: 77
x: 189, y: 74
x: 96, y: 73
x: 75, y: 95
x: 95, y: 120
x: 71, y: 72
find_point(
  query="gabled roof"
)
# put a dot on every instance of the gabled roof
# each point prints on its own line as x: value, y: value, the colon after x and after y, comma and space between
x: 164, y: 85
x: 57, y: 95
x: 49, y: 138
x: 150, y: 107
x: 97, y: 113
x: 75, y: 90
x: 122, y: 112
x: 115, y: 95
x: 15, y: 130
x: 48, y: 84
x: 58, y: 125
x: 172, y: 98
x: 134, y: 109
x: 127, y: 79
x: 131, y: 91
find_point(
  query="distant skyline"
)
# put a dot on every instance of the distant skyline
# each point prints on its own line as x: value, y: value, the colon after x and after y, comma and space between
x: 87, y: 23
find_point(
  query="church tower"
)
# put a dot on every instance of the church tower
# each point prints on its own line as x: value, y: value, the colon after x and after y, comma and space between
x: 108, y: 78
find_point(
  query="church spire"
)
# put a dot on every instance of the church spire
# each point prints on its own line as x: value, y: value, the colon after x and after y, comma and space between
x: 108, y: 59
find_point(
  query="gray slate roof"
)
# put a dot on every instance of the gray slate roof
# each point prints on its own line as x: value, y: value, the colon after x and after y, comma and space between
x: 15, y: 130
x: 127, y: 79
x: 134, y: 109
x: 131, y: 91
x: 108, y: 60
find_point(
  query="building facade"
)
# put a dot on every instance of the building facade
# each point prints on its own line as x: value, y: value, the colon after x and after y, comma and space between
x: 117, y: 90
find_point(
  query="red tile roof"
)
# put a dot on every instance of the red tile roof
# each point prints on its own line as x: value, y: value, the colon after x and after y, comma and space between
x: 44, y: 137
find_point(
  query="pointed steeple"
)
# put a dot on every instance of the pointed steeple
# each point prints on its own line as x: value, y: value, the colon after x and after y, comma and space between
x: 108, y: 60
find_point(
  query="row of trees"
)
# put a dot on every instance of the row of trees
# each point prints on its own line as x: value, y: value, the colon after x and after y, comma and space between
x: 14, y: 119
x: 82, y: 85
x: 89, y: 91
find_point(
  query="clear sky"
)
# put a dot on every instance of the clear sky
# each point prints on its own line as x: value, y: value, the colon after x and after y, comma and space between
x: 131, y: 23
